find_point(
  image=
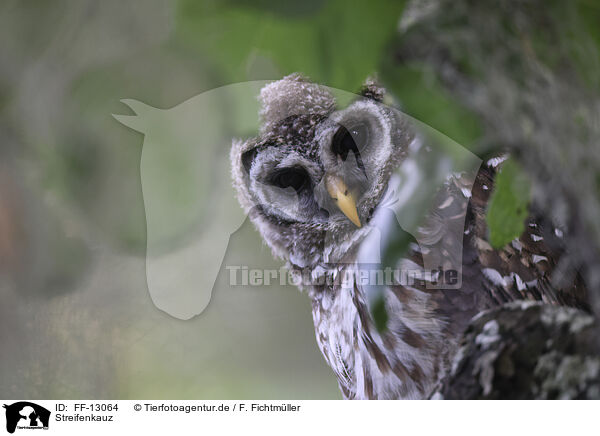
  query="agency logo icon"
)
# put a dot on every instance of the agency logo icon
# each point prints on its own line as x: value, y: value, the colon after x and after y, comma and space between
x: 26, y: 415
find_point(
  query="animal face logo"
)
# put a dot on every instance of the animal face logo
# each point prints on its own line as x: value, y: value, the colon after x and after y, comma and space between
x: 191, y: 206
x: 26, y: 415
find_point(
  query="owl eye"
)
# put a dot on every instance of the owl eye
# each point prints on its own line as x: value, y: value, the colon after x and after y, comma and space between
x: 295, y: 178
x: 353, y: 139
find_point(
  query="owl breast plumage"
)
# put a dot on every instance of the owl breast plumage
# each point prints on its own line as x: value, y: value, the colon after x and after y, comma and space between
x: 314, y: 182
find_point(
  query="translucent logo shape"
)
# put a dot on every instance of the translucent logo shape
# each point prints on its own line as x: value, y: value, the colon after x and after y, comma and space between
x: 192, y: 210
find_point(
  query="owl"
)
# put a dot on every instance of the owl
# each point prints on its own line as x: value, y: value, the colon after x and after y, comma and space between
x: 315, y: 181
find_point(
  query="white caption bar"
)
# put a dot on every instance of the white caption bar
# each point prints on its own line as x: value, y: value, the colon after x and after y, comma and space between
x: 23, y: 417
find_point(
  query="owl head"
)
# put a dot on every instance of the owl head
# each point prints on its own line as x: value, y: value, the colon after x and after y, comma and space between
x: 313, y: 177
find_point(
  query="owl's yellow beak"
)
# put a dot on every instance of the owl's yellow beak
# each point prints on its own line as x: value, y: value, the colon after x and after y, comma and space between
x: 344, y: 199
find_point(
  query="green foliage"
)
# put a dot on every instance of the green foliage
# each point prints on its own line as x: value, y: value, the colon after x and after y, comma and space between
x: 335, y: 43
x: 380, y: 315
x: 508, y: 207
x: 423, y: 97
x: 395, y: 246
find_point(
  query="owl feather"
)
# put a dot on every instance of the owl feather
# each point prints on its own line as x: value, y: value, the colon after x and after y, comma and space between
x: 313, y: 182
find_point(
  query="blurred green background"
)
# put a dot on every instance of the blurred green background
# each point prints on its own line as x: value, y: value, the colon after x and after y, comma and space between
x: 76, y: 320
